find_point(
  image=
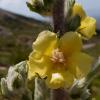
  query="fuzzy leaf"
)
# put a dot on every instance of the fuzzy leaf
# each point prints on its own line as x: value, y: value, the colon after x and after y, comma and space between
x: 41, y: 91
x: 15, y: 83
x: 4, y: 88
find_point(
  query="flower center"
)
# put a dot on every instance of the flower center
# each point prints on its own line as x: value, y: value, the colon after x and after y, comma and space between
x: 57, y: 57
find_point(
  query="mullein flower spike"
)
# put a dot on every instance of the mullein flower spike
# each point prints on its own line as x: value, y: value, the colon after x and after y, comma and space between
x: 58, y: 60
x: 86, y: 25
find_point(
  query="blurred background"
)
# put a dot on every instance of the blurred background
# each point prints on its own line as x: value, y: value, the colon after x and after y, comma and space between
x: 19, y: 28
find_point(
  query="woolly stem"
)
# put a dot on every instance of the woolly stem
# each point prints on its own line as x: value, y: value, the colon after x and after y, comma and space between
x: 59, y: 94
x: 59, y: 27
x: 58, y: 17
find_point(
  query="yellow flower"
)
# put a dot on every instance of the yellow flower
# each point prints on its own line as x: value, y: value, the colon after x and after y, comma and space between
x: 88, y: 24
x: 88, y: 27
x: 59, y: 60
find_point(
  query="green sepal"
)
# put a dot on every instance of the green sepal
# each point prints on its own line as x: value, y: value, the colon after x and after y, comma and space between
x: 74, y: 23
x: 67, y: 13
x: 42, y: 7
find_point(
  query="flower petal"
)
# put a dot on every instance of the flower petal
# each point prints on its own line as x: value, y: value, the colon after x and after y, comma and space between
x: 55, y: 80
x: 45, y: 42
x: 59, y: 79
x: 69, y: 78
x: 80, y: 64
x: 38, y: 64
x: 88, y: 27
x: 70, y: 42
x: 78, y: 10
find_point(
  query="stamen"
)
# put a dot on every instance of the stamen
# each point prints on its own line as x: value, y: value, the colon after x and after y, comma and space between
x: 57, y: 56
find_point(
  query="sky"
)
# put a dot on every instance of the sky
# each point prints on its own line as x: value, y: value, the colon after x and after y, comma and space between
x: 19, y: 7
x: 92, y: 8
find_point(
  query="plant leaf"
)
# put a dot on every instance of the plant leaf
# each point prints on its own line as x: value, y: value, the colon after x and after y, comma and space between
x: 41, y: 91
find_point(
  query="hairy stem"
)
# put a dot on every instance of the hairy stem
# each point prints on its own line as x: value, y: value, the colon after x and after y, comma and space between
x: 58, y: 16
x: 59, y: 94
x: 59, y: 27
